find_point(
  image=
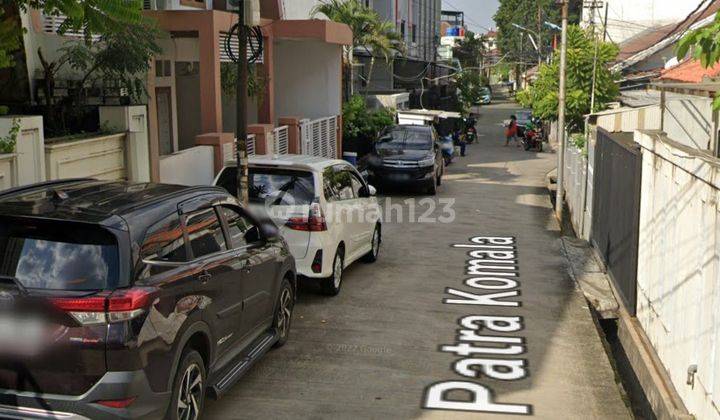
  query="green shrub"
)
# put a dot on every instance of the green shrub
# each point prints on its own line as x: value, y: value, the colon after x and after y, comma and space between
x: 361, y: 124
x: 7, y: 143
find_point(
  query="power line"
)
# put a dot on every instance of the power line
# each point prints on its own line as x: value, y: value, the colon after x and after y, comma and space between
x: 468, y: 18
x: 682, y: 23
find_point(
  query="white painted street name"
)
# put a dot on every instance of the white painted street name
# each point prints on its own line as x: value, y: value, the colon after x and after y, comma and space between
x: 493, y: 268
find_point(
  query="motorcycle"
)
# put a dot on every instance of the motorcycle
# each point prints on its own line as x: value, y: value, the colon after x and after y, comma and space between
x: 533, y: 138
x: 470, y: 130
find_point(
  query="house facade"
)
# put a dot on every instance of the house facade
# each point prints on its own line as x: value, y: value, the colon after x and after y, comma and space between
x: 296, y: 77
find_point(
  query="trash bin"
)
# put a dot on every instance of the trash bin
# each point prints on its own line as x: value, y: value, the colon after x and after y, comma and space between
x: 350, y: 157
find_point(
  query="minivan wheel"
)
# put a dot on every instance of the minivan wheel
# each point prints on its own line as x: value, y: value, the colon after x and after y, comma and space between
x: 188, y: 395
x: 283, y: 313
x: 331, y: 285
x: 432, y: 186
x: 372, y: 256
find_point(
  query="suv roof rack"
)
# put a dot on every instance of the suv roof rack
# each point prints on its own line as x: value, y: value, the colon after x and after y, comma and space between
x: 140, y: 205
x: 39, y: 185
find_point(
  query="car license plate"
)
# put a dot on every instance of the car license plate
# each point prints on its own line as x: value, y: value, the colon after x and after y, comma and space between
x: 21, y: 336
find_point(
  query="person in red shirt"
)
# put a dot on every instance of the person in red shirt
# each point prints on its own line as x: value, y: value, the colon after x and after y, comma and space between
x: 511, y: 131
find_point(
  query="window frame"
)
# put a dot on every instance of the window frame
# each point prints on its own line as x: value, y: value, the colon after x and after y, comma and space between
x: 341, y: 168
x: 193, y: 258
x: 226, y: 227
x: 160, y: 220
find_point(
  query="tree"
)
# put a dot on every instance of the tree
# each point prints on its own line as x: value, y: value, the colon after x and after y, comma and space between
x: 470, y: 51
x: 382, y: 40
x: 469, y: 84
x: 9, y: 40
x: 368, y: 29
x: 119, y: 59
x: 703, y: 44
x: 513, y: 41
x: 542, y: 96
x: 91, y: 17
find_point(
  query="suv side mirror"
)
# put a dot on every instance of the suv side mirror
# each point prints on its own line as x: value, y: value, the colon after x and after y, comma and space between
x: 368, y: 191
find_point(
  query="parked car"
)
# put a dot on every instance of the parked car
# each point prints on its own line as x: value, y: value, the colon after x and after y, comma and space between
x: 327, y: 212
x: 485, y: 96
x: 406, y: 155
x: 130, y: 300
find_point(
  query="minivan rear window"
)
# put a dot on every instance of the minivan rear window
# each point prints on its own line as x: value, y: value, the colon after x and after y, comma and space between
x: 59, y: 257
x: 273, y: 185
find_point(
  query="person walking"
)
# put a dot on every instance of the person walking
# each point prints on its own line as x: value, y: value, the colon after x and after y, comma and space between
x: 460, y: 140
x: 511, y: 131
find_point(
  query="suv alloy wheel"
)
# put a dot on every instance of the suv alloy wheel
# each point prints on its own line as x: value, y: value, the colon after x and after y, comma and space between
x: 283, y: 313
x: 188, y: 397
x: 331, y: 285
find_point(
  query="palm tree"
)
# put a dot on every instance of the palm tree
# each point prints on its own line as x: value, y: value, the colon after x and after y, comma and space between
x: 368, y: 28
x: 381, y: 40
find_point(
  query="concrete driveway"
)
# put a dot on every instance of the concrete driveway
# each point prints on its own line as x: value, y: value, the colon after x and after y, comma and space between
x: 375, y: 350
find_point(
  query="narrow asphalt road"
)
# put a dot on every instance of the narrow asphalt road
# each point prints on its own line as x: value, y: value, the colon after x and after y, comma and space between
x: 373, y: 351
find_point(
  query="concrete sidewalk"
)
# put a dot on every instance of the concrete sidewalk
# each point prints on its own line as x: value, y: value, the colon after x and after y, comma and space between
x: 375, y: 350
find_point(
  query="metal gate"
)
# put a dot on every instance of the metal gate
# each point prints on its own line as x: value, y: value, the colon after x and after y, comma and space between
x: 319, y: 137
x: 616, y: 210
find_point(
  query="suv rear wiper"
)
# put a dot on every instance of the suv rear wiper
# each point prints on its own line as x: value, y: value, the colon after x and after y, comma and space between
x: 14, y: 281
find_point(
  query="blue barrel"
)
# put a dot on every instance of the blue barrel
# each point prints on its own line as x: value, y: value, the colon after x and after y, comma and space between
x: 350, y: 157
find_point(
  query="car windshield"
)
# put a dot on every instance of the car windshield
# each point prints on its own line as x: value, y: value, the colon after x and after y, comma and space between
x: 484, y: 91
x: 58, y: 257
x: 407, y: 138
x: 273, y: 185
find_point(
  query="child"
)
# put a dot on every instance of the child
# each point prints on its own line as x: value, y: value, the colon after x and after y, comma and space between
x: 511, y: 131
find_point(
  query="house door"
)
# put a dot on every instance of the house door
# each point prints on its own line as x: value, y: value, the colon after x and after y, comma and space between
x: 164, y: 113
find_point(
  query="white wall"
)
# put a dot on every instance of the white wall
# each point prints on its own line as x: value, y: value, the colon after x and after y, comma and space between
x: 689, y: 120
x: 30, y: 147
x: 627, y: 18
x: 299, y: 9
x: 308, y: 78
x: 193, y: 166
x: 679, y: 268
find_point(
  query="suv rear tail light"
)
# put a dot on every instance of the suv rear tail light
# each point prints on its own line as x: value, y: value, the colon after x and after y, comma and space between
x: 120, y: 305
x: 315, y: 222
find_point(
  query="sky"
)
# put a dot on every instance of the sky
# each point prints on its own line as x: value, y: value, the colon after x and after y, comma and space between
x: 478, y: 13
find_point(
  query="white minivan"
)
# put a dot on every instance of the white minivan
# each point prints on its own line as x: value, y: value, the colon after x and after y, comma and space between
x: 327, y: 212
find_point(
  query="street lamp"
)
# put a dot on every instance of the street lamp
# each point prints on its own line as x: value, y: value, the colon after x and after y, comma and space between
x: 553, y: 26
x: 530, y: 31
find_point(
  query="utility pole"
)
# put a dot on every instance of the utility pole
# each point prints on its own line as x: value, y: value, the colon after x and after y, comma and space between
x: 595, y: 57
x: 241, y: 107
x: 607, y: 8
x: 539, y: 34
x: 561, y: 114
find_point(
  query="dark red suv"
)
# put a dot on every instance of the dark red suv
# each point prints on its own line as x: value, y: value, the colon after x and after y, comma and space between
x: 122, y: 300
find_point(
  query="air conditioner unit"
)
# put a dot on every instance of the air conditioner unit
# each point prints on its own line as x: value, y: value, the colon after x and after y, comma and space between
x: 252, y: 10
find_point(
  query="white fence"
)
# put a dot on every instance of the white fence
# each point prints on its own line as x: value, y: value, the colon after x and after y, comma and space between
x: 575, y: 184
x: 679, y: 268
x: 281, y: 138
x: 229, y: 149
x: 319, y: 137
